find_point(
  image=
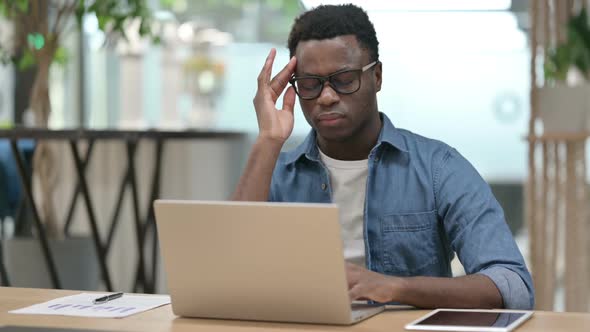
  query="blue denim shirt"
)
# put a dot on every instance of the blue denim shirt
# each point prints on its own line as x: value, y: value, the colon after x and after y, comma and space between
x: 424, y: 202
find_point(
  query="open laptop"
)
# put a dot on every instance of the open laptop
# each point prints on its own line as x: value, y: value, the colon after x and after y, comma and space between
x: 256, y: 261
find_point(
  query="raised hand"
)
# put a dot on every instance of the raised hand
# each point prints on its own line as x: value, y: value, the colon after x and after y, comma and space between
x: 275, y: 124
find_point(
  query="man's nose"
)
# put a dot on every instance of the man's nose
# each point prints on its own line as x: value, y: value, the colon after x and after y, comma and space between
x: 328, y: 96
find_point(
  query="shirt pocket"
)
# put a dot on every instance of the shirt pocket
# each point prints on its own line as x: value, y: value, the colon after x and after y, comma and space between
x: 410, y: 243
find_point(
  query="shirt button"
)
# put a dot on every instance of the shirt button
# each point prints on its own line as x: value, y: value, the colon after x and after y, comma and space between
x: 376, y: 158
x: 324, y: 186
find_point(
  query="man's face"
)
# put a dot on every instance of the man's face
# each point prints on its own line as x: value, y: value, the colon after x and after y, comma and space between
x: 333, y: 115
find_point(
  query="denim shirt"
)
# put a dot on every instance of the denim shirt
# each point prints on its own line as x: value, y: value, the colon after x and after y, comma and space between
x: 424, y: 203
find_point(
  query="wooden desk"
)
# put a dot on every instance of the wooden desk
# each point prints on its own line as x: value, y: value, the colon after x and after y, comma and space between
x: 162, y: 319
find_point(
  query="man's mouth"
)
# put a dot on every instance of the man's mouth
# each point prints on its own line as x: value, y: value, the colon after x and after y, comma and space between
x: 330, y: 118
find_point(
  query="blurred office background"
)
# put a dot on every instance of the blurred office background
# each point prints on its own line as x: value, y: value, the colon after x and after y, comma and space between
x: 457, y: 71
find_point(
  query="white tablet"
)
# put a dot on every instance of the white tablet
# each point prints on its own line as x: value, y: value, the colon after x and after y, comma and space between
x: 470, y: 320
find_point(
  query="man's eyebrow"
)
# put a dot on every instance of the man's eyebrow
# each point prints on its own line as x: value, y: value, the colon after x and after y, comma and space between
x: 312, y: 74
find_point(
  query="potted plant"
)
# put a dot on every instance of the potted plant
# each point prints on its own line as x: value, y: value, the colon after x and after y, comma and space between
x: 564, y: 100
x: 39, y: 28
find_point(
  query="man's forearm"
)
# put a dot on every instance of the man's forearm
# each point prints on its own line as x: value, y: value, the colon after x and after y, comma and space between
x: 471, y: 291
x: 254, y: 184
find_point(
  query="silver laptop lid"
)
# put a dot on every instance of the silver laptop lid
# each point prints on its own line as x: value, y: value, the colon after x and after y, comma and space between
x: 254, y: 260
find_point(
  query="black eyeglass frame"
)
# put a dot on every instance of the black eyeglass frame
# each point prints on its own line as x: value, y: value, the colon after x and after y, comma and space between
x: 324, y: 79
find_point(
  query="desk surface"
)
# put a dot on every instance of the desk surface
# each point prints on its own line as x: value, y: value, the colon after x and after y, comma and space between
x: 162, y: 319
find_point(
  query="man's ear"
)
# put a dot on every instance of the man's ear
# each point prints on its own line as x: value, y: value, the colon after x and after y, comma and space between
x: 378, y: 75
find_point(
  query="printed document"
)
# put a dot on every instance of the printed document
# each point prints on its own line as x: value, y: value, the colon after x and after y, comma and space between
x: 81, y: 305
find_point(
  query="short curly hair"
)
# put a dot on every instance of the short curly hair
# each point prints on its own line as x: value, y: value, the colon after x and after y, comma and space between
x: 329, y: 21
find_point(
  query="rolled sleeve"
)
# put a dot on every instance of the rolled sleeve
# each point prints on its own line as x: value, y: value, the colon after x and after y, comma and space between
x: 513, y: 289
x: 475, y: 224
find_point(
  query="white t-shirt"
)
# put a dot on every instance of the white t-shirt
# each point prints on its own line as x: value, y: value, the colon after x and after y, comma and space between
x: 348, y: 180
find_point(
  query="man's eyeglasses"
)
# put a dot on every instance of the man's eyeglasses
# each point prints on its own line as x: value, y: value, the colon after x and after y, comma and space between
x: 344, y: 82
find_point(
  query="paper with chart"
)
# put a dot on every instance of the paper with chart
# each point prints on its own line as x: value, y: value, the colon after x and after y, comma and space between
x: 81, y: 305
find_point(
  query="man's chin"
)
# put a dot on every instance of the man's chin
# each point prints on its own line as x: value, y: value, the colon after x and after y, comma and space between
x: 333, y: 134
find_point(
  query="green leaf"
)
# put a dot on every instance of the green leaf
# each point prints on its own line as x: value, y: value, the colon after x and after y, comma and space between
x: 61, y: 56
x: 167, y: 3
x: 22, y: 5
x: 26, y: 61
x: 112, y: 5
x: 93, y: 7
x: 119, y: 25
x: 80, y: 12
x: 144, y: 28
x: 112, y: 15
x: 102, y: 22
x: 36, y: 41
x: 574, y: 52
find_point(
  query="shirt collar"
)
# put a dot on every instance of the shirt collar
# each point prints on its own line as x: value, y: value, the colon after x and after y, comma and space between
x: 309, y: 148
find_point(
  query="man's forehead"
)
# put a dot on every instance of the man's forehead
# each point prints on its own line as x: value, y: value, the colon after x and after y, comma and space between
x: 329, y: 54
x: 336, y: 44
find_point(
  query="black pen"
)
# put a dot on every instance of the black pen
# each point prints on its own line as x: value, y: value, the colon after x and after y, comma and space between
x: 107, y: 298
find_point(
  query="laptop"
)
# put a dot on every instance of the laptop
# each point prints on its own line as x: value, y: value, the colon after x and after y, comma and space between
x: 263, y: 261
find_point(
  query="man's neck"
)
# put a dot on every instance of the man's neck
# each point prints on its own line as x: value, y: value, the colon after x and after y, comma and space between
x: 356, y: 147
